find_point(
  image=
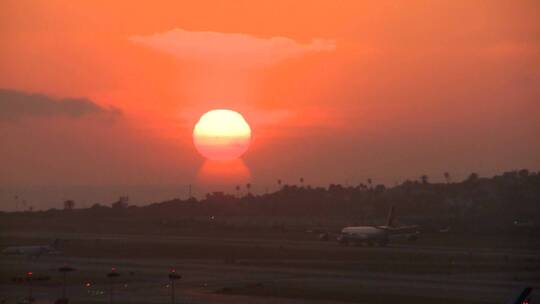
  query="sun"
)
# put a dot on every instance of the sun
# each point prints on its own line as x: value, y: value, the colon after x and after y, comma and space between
x: 221, y: 135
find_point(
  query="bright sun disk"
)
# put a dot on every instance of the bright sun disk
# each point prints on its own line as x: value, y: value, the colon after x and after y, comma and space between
x: 221, y: 135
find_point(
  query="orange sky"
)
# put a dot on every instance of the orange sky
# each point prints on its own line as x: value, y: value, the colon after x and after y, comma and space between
x: 334, y: 91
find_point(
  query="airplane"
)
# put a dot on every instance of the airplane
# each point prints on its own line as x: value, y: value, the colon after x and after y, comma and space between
x: 379, y: 235
x: 33, y: 251
x: 524, y: 297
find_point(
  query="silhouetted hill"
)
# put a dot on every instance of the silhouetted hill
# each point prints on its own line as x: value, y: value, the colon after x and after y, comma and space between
x: 474, y: 204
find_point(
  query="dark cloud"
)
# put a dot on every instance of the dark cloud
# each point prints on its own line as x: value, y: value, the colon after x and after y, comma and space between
x: 15, y: 105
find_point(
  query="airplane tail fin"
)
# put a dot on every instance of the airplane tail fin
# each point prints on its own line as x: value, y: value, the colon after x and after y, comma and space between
x: 523, y: 297
x: 391, y: 216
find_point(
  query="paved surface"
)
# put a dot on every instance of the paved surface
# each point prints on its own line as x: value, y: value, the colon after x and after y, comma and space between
x: 406, y: 272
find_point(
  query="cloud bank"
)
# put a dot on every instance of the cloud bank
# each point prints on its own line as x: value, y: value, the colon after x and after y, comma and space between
x: 230, y: 49
x: 15, y: 105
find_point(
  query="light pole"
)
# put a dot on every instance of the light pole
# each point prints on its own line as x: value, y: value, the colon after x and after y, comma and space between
x: 173, y: 276
x: 64, y: 270
x: 111, y: 275
x: 29, y: 277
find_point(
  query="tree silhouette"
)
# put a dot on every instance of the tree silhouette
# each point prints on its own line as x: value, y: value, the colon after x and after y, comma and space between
x: 524, y: 173
x: 121, y: 203
x: 69, y: 205
x: 279, y: 183
x: 496, y: 202
x: 302, y: 181
x: 96, y: 206
x: 380, y: 188
x: 237, y: 190
x: 473, y: 177
x: 447, y: 177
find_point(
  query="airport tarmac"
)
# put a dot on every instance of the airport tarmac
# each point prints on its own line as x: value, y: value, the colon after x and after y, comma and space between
x: 250, y: 270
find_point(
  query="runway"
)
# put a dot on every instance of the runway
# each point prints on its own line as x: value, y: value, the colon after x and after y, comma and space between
x: 251, y: 270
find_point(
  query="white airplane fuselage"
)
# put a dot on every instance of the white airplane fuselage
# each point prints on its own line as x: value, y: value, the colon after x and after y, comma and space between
x: 376, y: 235
x: 369, y: 235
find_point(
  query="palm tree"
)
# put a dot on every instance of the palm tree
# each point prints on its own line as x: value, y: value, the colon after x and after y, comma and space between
x: 279, y: 183
x: 237, y: 190
x: 369, y: 181
x: 424, y: 179
x: 447, y: 177
x: 302, y: 181
x: 248, y: 186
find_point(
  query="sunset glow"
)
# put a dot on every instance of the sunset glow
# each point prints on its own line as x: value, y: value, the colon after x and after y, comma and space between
x: 222, y: 135
x: 263, y: 151
x: 217, y: 173
x: 386, y: 90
